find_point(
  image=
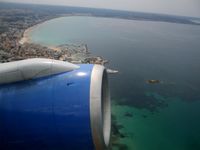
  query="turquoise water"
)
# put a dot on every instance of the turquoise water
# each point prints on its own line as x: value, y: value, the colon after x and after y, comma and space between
x: 145, y: 116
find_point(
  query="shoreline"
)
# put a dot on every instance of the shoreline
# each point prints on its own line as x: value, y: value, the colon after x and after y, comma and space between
x: 26, y: 35
x: 79, y: 55
x: 25, y: 38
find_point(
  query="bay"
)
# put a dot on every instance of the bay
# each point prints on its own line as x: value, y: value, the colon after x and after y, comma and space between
x: 146, y: 116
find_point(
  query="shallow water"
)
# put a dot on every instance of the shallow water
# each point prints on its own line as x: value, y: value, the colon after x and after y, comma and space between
x: 146, y: 116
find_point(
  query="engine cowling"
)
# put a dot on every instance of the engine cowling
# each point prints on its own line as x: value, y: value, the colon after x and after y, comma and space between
x: 54, y: 105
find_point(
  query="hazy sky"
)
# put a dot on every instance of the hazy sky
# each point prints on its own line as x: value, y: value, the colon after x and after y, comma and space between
x: 176, y: 7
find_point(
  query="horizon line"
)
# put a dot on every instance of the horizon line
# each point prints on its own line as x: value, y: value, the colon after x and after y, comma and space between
x: 100, y: 8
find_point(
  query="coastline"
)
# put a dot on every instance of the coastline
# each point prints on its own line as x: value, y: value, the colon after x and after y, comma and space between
x: 26, y: 35
x: 72, y: 53
x: 25, y: 38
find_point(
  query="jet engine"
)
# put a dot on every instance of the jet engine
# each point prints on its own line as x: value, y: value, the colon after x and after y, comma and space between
x: 48, y: 104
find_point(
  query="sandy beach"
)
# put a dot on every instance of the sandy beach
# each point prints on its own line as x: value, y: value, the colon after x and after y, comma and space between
x: 26, y: 34
x: 26, y: 37
x: 65, y: 51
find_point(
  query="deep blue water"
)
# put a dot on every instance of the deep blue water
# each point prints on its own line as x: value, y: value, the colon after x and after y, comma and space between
x: 146, y: 116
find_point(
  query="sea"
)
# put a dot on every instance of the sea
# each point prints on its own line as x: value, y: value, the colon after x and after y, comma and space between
x: 145, y: 116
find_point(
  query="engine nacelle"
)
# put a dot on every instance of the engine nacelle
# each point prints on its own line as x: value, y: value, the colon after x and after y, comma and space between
x: 53, y: 105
